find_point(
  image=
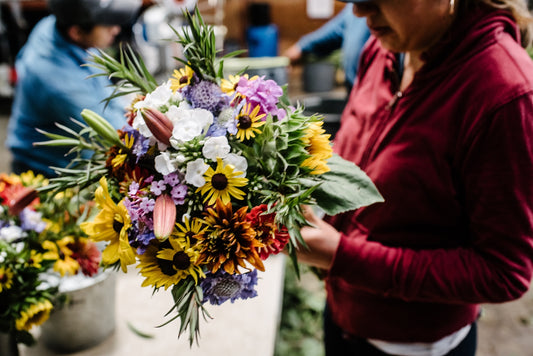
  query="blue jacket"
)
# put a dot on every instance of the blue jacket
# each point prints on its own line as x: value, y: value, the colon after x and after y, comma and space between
x: 53, y: 87
x: 345, y: 31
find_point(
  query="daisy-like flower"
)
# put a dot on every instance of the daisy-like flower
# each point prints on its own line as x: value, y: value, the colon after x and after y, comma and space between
x: 35, y: 259
x: 35, y: 315
x: 60, y: 252
x: 319, y: 148
x: 181, y: 78
x: 189, y: 229
x: 87, y: 254
x: 220, y: 286
x: 111, y: 224
x: 273, y: 238
x: 167, y: 263
x: 229, y: 85
x: 222, y: 183
x: 6, y: 278
x: 248, y: 122
x: 229, y: 240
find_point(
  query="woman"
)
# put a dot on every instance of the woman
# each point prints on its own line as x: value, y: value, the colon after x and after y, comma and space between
x: 441, y: 119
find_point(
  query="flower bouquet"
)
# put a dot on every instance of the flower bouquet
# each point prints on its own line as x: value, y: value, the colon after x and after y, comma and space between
x: 207, y: 179
x: 39, y: 233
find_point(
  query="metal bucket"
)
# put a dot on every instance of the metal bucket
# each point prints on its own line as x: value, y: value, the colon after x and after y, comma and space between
x: 86, y: 319
x: 8, y: 345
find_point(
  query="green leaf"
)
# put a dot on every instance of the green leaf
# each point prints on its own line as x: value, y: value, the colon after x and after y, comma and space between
x: 346, y: 187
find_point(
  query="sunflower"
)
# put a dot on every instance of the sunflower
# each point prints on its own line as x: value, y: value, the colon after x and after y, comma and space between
x: 181, y: 78
x: 60, y: 252
x: 229, y: 241
x: 111, y: 224
x: 6, y: 278
x: 319, y: 148
x: 248, y: 122
x: 222, y: 183
x: 169, y: 262
x: 35, y: 315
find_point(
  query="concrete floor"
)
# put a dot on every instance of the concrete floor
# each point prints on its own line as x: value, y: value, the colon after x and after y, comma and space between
x: 247, y: 327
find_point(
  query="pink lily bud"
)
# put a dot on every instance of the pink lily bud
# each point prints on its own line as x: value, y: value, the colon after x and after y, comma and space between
x: 159, y: 124
x: 23, y: 198
x: 164, y: 216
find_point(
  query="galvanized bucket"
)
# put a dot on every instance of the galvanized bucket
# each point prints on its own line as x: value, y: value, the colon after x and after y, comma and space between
x: 88, y: 316
x: 8, y: 345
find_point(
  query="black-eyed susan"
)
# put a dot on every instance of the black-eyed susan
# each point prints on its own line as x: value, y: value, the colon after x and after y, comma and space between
x: 35, y: 260
x: 62, y: 255
x: 229, y: 241
x: 189, y: 229
x: 249, y: 122
x: 319, y: 148
x: 111, y: 224
x: 222, y: 183
x: 34, y: 315
x: 167, y: 263
x: 229, y: 85
x: 6, y: 278
x: 181, y: 78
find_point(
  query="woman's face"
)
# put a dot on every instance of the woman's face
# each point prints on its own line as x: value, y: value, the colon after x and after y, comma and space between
x: 100, y: 36
x: 406, y: 25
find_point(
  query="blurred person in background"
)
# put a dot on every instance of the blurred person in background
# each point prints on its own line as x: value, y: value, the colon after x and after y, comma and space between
x: 345, y: 31
x: 53, y: 84
x: 441, y: 119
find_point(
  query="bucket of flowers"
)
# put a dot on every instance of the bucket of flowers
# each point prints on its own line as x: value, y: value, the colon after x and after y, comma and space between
x: 207, y: 180
x: 39, y: 234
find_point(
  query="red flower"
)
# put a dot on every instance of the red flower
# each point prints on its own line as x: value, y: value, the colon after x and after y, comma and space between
x: 86, y: 253
x: 274, y: 238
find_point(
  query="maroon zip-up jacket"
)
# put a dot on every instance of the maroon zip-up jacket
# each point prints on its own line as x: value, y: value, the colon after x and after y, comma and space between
x: 453, y: 158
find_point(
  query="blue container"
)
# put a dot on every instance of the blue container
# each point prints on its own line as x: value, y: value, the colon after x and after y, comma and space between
x: 262, y: 41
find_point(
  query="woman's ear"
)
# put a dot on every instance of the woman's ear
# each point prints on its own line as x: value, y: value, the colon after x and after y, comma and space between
x: 75, y: 33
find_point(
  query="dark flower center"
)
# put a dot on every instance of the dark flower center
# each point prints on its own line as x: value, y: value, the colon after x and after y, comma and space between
x: 166, y: 266
x: 117, y: 226
x: 184, y: 79
x: 227, y: 287
x: 3, y: 278
x: 219, y: 181
x: 245, y: 122
x: 181, y: 260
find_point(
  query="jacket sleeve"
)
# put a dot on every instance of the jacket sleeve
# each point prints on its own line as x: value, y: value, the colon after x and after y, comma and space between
x: 496, y: 264
x: 327, y: 38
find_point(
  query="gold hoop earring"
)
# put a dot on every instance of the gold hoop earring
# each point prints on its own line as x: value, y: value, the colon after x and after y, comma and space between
x: 452, y: 7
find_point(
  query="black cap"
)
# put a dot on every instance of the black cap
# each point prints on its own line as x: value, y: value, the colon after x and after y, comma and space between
x: 94, y: 12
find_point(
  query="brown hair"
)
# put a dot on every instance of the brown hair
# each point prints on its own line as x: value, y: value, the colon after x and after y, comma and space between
x: 518, y: 9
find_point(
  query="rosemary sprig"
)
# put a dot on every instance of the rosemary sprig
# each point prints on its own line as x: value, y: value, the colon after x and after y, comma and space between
x: 129, y: 71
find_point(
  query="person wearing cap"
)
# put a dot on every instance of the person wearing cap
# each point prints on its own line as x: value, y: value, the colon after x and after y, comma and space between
x: 53, y: 84
x: 345, y: 31
x: 441, y: 119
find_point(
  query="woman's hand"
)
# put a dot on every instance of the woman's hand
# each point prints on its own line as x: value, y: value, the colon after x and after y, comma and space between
x: 322, y: 241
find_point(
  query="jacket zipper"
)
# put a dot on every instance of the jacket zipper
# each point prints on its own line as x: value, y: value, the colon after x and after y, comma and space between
x: 373, y: 139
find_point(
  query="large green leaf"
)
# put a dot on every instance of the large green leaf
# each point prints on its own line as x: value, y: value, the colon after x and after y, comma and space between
x: 346, y: 187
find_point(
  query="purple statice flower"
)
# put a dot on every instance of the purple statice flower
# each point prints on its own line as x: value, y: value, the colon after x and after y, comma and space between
x: 206, y: 95
x: 143, y: 239
x: 31, y: 220
x: 158, y: 187
x: 140, y: 145
x: 221, y: 286
x: 265, y: 93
